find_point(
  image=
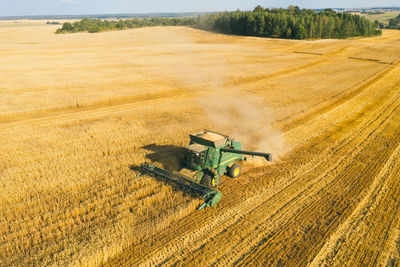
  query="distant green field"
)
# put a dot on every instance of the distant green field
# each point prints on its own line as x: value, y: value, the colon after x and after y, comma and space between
x: 383, y: 18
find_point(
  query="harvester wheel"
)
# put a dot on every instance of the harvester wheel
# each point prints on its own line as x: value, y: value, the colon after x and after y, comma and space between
x: 234, y: 171
x: 207, y: 180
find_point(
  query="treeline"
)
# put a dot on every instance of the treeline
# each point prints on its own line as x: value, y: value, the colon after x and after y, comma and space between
x: 97, y: 25
x: 294, y: 23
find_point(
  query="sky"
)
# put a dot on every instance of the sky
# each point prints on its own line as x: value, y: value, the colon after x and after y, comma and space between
x: 79, y: 7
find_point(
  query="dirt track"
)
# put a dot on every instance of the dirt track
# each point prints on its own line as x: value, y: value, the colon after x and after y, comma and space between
x: 68, y: 194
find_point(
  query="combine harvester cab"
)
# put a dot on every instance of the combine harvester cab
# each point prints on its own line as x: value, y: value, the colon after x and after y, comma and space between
x: 208, y: 156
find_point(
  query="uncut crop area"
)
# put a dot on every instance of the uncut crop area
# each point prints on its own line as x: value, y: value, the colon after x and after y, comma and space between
x: 80, y: 112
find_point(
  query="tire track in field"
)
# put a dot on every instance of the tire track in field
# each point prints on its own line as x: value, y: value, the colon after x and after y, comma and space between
x: 40, y: 123
x: 279, y: 74
x: 327, y: 58
x: 395, y: 86
x: 258, y: 227
x: 366, y: 97
x: 368, y: 83
x: 384, y: 192
x: 332, y: 168
x: 100, y: 110
x: 97, y: 111
x: 136, y: 100
x: 228, y: 218
x: 234, y: 226
x: 337, y: 99
x: 93, y: 112
x: 347, y: 185
x: 171, y: 242
x: 136, y: 262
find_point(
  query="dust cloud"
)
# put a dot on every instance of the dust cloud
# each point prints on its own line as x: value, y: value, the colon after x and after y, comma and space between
x: 247, y: 119
x: 233, y: 109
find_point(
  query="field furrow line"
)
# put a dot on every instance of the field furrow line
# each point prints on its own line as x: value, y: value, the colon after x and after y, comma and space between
x: 332, y: 170
x: 80, y: 112
x: 279, y: 74
x: 351, y: 187
x: 97, y: 111
x: 283, y: 252
x: 350, y: 106
x: 385, y: 189
x: 224, y: 228
x: 388, y: 73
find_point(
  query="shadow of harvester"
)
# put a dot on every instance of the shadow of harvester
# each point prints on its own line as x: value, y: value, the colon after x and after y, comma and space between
x: 170, y: 158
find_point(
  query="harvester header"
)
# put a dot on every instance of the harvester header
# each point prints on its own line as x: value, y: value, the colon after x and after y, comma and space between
x: 208, y: 156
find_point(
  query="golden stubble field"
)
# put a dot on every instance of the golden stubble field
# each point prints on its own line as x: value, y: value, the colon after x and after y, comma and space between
x: 79, y: 112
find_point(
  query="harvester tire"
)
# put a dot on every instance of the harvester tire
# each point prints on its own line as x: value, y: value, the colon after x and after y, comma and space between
x: 207, y: 180
x: 234, y: 171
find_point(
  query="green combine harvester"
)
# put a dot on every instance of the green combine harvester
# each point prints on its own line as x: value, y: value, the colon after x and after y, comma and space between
x: 208, y: 156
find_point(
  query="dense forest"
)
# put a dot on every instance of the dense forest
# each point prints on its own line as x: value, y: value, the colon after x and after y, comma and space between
x: 293, y: 23
x: 97, y: 25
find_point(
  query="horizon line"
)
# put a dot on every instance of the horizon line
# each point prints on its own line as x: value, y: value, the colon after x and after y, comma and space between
x: 99, y: 15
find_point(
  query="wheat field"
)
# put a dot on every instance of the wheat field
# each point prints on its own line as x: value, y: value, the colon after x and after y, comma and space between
x: 79, y: 112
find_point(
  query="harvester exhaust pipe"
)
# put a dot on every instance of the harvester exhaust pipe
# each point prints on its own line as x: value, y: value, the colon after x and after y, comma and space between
x: 267, y: 156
